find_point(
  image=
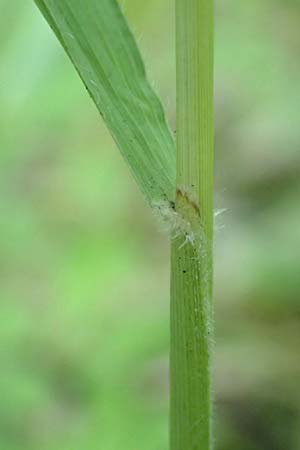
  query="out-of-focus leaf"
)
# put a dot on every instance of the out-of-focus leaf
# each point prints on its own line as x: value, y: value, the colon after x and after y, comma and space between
x: 97, y: 39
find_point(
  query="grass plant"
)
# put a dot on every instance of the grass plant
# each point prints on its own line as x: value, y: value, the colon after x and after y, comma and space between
x: 179, y: 188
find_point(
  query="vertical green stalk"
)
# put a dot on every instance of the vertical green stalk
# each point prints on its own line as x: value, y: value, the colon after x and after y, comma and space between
x: 191, y: 249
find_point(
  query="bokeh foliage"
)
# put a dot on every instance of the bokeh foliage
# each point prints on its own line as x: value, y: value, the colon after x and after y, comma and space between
x: 84, y: 269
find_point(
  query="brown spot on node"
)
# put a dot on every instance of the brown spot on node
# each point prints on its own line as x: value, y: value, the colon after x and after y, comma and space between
x: 184, y: 196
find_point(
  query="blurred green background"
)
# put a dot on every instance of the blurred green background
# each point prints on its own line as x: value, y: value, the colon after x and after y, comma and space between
x: 84, y: 268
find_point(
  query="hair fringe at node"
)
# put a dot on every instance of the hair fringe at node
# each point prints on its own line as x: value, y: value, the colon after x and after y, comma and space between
x: 172, y: 222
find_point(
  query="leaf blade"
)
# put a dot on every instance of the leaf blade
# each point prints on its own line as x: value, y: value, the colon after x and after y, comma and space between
x: 102, y: 48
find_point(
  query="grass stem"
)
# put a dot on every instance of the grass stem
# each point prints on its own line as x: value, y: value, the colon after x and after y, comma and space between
x: 191, y: 250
